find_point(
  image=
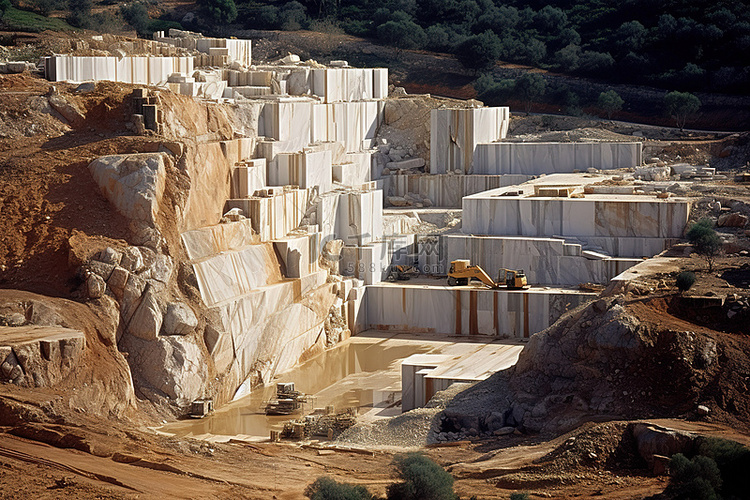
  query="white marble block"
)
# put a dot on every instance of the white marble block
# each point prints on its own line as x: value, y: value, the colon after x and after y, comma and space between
x: 248, y: 177
x: 306, y: 169
x: 360, y: 217
x: 455, y: 133
x: 536, y: 158
x: 298, y: 254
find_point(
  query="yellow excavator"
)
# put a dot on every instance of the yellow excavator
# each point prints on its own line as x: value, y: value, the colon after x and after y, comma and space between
x: 462, y: 272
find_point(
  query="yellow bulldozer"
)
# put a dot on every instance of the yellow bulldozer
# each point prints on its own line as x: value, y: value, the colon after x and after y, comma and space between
x: 462, y: 272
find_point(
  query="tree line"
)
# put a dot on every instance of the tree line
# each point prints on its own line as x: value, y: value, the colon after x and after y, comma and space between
x: 681, y: 45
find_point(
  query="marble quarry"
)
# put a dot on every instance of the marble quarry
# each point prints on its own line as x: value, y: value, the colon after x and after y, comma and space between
x: 283, y: 226
x: 535, y: 158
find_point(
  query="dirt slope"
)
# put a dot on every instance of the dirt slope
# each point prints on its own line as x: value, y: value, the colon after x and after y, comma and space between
x: 49, y: 201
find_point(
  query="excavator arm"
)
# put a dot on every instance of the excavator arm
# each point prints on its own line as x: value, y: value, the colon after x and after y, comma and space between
x: 474, y: 272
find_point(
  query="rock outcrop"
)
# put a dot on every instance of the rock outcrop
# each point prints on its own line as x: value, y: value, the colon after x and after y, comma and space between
x: 610, y: 359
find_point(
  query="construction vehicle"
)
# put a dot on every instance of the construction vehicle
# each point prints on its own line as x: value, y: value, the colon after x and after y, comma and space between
x: 514, y: 279
x: 402, y: 273
x: 287, y: 400
x: 462, y: 272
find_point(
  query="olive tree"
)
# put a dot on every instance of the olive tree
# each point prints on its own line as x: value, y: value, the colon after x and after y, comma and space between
x: 611, y: 102
x: 680, y: 106
x: 705, y: 241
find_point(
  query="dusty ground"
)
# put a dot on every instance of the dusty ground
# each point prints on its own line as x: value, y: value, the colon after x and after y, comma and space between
x: 90, y: 458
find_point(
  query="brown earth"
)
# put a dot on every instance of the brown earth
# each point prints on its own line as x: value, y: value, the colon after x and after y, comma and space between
x: 51, y: 205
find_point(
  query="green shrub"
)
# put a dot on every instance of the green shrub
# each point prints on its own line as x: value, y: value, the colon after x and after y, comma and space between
x: 733, y: 460
x: 519, y: 496
x: 705, y: 241
x: 685, y: 280
x: 480, y: 52
x: 325, y: 488
x: 22, y: 20
x: 698, y: 479
x: 136, y: 15
x: 423, y: 479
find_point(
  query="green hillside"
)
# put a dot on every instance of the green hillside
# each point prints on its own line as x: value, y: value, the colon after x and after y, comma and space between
x: 687, y: 45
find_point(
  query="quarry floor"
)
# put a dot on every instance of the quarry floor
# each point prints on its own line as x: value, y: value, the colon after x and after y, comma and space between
x: 152, y: 466
x: 363, y: 372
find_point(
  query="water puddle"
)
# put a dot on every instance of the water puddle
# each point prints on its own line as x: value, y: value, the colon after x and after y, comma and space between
x: 362, y: 373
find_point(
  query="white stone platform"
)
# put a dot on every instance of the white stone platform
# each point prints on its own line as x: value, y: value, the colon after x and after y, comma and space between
x: 431, y: 306
x: 525, y: 210
x: 535, y: 158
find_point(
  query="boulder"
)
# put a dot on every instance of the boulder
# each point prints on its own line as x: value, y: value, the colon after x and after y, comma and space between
x: 732, y: 219
x: 132, y: 260
x: 10, y: 369
x: 397, y: 201
x: 43, y: 314
x: 95, y: 286
x: 131, y: 296
x: 110, y: 256
x: 117, y: 281
x: 69, y: 110
x: 12, y: 319
x: 147, y: 318
x: 101, y: 269
x: 133, y: 183
x: 655, y: 440
x: 179, y: 320
x: 405, y: 164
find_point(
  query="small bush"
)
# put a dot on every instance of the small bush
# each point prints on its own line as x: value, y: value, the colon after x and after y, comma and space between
x: 698, y: 478
x: 705, y: 241
x: 325, y: 488
x: 423, y: 480
x: 685, y: 280
x: 519, y: 496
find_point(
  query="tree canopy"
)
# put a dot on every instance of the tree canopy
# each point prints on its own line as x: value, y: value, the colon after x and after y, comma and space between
x: 220, y: 11
x: 611, y: 102
x: 680, y: 106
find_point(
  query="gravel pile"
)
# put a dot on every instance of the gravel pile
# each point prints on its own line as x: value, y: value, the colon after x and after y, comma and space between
x: 412, y: 429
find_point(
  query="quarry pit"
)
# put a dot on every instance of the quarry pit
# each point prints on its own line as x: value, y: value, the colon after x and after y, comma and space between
x: 210, y: 226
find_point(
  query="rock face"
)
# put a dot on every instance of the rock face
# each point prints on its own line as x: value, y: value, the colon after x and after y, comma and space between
x: 134, y: 183
x: 179, y: 320
x: 604, y: 360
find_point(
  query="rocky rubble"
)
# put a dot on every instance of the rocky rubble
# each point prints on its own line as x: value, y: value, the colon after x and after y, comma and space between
x: 600, y: 360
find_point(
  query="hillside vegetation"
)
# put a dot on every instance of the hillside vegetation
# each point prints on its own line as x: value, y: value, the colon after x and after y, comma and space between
x: 677, y: 44
x: 683, y: 45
